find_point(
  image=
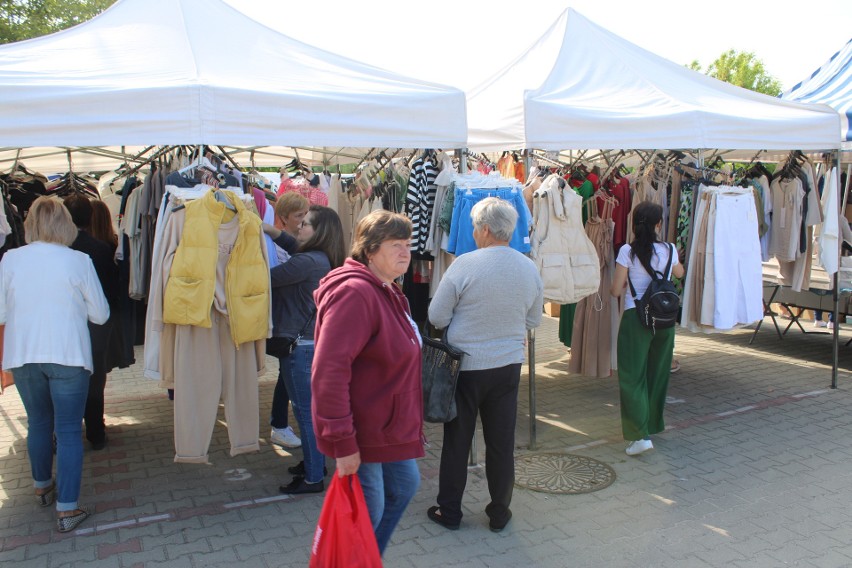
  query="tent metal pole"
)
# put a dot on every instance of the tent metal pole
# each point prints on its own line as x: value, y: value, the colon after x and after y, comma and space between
x: 835, y: 346
x: 531, y: 363
x: 835, y: 333
x: 461, y: 155
x: 531, y: 347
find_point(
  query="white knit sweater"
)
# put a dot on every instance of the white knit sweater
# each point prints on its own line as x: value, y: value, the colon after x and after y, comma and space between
x: 487, y: 300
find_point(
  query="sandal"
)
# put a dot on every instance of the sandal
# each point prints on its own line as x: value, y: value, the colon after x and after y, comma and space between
x: 675, y: 366
x: 69, y: 523
x: 46, y: 499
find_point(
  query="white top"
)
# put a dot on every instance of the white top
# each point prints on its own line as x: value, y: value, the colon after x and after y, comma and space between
x: 47, y: 294
x: 637, y: 273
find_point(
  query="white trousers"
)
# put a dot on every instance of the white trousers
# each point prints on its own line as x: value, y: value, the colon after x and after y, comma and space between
x: 738, y: 273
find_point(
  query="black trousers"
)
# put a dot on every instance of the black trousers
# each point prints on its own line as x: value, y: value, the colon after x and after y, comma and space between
x: 94, y: 413
x: 493, y: 394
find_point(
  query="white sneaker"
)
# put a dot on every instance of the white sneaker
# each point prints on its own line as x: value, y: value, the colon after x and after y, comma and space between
x: 285, y: 437
x: 638, y: 447
x: 819, y: 323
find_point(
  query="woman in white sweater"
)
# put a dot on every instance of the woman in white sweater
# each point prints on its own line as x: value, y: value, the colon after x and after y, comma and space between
x: 47, y: 294
x: 487, y: 300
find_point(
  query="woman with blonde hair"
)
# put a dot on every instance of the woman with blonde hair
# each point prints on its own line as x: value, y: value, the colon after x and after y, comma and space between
x: 290, y: 211
x: 48, y: 292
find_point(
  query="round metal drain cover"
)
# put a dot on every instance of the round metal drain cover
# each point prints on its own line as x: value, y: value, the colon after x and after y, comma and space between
x: 562, y: 473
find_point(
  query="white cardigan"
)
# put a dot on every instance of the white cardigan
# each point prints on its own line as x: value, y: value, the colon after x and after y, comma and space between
x: 565, y: 257
x: 47, y: 294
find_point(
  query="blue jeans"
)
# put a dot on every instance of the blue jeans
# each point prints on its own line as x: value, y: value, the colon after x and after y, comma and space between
x: 388, y: 488
x: 55, y: 398
x: 297, y: 378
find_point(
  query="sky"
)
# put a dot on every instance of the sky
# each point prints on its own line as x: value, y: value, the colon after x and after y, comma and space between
x: 463, y: 42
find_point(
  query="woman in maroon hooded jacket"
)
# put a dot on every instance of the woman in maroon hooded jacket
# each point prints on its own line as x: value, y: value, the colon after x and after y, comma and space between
x: 366, y: 385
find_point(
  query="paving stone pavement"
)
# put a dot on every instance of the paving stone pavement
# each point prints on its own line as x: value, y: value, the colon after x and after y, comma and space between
x: 755, y: 470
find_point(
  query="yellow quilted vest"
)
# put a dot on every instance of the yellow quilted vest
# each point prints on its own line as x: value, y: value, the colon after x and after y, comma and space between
x: 191, y: 284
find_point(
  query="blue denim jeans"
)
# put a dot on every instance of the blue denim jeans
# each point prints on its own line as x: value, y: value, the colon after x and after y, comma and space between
x: 297, y: 378
x: 388, y: 488
x: 55, y: 398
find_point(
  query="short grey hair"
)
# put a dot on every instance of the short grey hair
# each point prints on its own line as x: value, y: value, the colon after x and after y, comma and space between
x: 498, y: 214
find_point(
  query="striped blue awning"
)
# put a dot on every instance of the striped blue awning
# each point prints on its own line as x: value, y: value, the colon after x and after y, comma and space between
x: 831, y: 84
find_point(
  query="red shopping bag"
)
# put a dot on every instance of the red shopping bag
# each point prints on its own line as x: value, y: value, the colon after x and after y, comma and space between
x: 344, y: 537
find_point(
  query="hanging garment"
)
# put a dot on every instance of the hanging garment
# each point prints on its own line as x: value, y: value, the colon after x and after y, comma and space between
x: 563, y: 253
x: 724, y: 284
x: 693, y: 287
x: 193, y: 277
x: 461, y: 227
x: 830, y: 234
x: 591, y: 342
x: 420, y: 201
x: 203, y: 363
x: 737, y: 272
x: 787, y: 205
x: 763, y: 182
x: 621, y: 191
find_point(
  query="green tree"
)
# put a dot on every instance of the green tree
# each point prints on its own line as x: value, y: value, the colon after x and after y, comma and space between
x: 25, y: 19
x: 743, y: 69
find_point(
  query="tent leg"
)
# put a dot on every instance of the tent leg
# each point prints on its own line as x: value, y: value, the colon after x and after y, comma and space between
x: 531, y: 363
x: 835, y: 343
x: 835, y: 333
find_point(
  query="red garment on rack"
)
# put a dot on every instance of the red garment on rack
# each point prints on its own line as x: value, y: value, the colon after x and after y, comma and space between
x: 621, y: 191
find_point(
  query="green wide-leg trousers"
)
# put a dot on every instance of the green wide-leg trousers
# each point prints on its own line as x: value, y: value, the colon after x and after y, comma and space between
x: 644, y: 366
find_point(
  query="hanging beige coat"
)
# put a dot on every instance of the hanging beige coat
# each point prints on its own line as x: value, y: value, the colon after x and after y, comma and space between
x: 563, y: 253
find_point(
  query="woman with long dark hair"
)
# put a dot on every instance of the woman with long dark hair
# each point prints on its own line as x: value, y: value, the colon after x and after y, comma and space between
x: 317, y: 250
x: 644, y: 355
x: 101, y: 226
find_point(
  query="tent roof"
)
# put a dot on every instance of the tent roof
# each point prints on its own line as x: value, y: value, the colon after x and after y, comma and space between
x: 201, y: 72
x: 831, y: 84
x: 581, y: 86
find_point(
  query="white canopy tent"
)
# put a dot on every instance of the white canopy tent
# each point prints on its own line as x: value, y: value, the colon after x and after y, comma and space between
x: 188, y: 72
x: 580, y: 86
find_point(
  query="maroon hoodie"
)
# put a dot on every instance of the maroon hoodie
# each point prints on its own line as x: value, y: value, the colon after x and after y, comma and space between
x: 365, y: 379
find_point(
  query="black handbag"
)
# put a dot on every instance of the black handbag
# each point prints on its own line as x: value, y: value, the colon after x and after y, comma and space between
x: 281, y: 347
x: 441, y: 366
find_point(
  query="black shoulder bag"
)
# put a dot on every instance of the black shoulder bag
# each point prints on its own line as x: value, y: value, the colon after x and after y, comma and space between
x: 658, y: 306
x: 283, y: 346
x: 441, y: 366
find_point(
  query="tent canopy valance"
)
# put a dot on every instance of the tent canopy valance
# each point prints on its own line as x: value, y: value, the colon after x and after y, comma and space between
x: 57, y: 159
x: 201, y: 72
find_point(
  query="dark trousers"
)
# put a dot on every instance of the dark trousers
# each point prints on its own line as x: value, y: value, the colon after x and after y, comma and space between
x: 94, y: 413
x: 493, y: 393
x: 280, y: 398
